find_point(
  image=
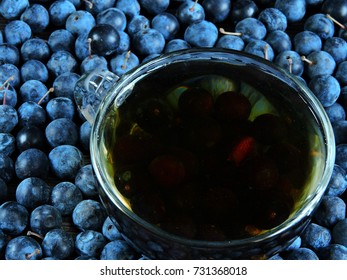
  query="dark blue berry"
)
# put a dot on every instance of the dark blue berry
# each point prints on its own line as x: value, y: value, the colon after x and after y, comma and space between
x: 80, y: 22
x: 290, y: 61
x: 331, y: 210
x: 320, y: 63
x: 97, y: 6
x: 65, y: 196
x: 65, y: 161
x: 61, y: 40
x: 61, y: 62
x: 17, y: 32
x: 59, y: 11
x: 148, y: 41
x: 336, y: 112
x: 306, y: 42
x: 321, y: 25
x: 89, y: 215
x: 33, y: 192
x: 114, y: 17
x: 13, y: 218
x: 35, y: 48
x: 167, y: 24
x: 175, y: 45
x: 302, y: 254
x: 104, y: 39
x: 242, y: 9
x: 315, y: 236
x: 11, y: 9
x: 37, y: 17
x: 86, y: 181
x: 333, y: 252
x: 216, y: 10
x: 294, y: 10
x: 201, y: 34
x: 32, y: 163
x: 154, y: 7
x: 33, y: 90
x: 10, y: 72
x: 130, y: 8
x: 337, y: 48
x: 338, y: 182
x: 138, y: 23
x: 8, y: 118
x: 58, y: 244
x: 122, y: 63
x: 9, y: 54
x: 64, y: 85
x: 60, y: 107
x: 326, y: 88
x: 190, y: 12
x: 31, y: 114
x: 45, y: 218
x: 110, y: 231
x: 61, y: 131
x: 273, y: 19
x: 34, y: 70
x: 23, y: 248
x: 118, y: 250
x: 279, y: 41
x: 260, y: 48
x: 90, y: 243
x: 7, y: 143
x: 85, y: 130
x: 230, y: 42
x: 251, y: 29
x: 93, y: 62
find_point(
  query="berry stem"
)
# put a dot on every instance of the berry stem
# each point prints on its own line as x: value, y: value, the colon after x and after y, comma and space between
x: 126, y: 58
x: 31, y: 233
x: 5, y: 94
x: 305, y: 59
x: 7, y: 82
x: 192, y: 8
x: 44, y: 96
x: 29, y: 256
x: 89, y: 48
x: 335, y: 21
x: 223, y: 31
x: 89, y: 3
x: 290, y: 62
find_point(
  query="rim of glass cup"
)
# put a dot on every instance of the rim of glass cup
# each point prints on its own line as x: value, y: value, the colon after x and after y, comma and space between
x: 224, y: 55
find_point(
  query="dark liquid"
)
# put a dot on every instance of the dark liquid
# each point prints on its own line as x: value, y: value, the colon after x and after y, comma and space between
x: 211, y: 158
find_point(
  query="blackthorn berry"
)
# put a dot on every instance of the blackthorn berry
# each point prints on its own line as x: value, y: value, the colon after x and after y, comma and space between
x: 45, y: 218
x: 13, y: 218
x: 58, y: 244
x: 90, y: 243
x: 33, y: 192
x: 23, y: 248
x: 65, y: 196
x: 65, y: 161
x: 89, y: 215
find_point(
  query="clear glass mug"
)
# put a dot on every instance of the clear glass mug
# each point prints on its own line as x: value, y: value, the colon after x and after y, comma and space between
x: 100, y: 94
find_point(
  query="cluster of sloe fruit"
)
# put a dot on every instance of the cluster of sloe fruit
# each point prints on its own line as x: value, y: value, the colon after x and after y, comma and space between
x: 48, y: 191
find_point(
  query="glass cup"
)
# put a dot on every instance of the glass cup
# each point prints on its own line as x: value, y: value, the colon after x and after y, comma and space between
x: 105, y: 99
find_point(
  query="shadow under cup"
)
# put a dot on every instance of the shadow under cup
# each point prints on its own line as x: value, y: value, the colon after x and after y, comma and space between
x: 284, y: 92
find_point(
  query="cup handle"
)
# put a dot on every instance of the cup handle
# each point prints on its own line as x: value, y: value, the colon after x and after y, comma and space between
x: 90, y: 89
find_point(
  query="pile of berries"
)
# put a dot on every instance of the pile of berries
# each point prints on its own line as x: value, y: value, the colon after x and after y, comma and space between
x: 49, y: 207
